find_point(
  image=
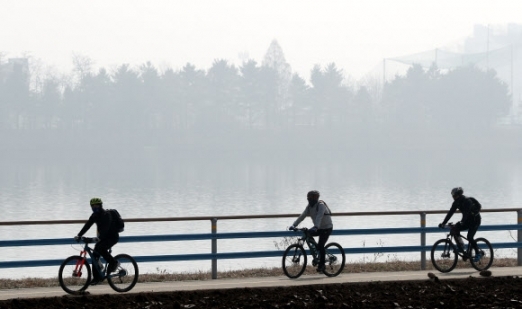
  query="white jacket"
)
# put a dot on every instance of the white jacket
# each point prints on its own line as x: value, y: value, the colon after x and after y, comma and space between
x: 320, y: 215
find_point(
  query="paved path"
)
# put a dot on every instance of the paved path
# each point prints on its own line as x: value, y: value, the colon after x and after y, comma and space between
x: 265, y: 282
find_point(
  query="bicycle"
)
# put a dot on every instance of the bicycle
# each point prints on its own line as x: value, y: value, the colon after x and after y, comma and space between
x: 445, y: 253
x: 75, y: 272
x: 295, y: 257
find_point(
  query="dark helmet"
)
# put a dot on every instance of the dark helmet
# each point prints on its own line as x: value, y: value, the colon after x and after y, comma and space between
x: 313, y: 193
x: 96, y: 201
x: 457, y: 191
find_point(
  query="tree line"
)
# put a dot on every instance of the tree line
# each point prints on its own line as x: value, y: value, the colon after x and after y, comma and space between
x: 255, y: 104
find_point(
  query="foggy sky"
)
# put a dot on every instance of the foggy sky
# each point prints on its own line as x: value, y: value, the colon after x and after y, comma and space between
x: 356, y: 35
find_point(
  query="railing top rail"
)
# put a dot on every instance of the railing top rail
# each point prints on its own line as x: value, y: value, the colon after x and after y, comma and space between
x: 242, y: 217
x: 238, y: 235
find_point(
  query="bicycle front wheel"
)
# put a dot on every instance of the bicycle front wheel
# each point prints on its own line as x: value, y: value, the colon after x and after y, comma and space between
x: 74, y: 274
x: 486, y: 250
x: 444, y: 255
x: 294, y: 261
x: 334, y: 259
x: 126, y: 276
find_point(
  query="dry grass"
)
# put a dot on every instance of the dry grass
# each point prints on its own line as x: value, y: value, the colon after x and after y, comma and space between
x: 163, y: 275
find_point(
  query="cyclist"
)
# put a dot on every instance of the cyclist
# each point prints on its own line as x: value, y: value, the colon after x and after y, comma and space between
x: 470, y: 221
x: 107, y: 233
x: 321, y: 217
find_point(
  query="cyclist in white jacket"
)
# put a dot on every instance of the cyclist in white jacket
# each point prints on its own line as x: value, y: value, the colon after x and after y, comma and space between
x: 322, y: 219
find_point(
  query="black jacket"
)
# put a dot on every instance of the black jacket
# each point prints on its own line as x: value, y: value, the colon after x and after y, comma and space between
x: 465, y: 206
x: 104, y: 223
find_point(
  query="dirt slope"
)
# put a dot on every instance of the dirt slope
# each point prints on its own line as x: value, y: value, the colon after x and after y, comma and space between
x: 492, y: 292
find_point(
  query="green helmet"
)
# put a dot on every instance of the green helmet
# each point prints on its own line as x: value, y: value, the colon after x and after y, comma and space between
x: 96, y: 201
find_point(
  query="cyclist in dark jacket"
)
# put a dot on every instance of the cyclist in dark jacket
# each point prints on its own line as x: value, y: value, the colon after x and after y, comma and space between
x: 471, y: 218
x: 107, y: 234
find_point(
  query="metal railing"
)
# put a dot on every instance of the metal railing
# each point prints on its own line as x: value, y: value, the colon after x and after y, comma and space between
x: 213, y: 256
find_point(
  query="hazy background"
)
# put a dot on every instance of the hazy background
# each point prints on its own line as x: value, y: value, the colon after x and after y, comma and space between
x: 356, y: 35
x: 191, y: 108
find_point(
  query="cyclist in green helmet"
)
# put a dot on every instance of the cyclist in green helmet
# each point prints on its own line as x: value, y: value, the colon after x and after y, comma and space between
x: 107, y: 235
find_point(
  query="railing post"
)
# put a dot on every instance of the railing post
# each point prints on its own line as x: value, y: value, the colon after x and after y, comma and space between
x: 214, y: 247
x: 519, y: 250
x: 423, y: 240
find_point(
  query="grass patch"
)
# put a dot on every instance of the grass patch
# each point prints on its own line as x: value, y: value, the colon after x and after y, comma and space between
x: 163, y: 275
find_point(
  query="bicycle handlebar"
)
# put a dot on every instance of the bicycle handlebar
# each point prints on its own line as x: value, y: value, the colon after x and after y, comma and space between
x: 88, y: 240
x: 448, y: 226
x: 298, y: 229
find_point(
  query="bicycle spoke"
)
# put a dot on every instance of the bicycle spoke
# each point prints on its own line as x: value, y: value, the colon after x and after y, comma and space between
x: 486, y: 259
x: 334, y: 259
x: 74, y: 275
x: 443, y: 256
x: 126, y: 276
x: 294, y: 261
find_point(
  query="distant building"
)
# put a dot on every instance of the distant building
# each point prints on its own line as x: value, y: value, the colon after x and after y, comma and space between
x: 490, y: 47
x: 502, y: 45
x: 12, y: 63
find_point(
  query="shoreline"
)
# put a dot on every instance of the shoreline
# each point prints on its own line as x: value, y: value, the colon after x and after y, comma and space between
x: 163, y: 275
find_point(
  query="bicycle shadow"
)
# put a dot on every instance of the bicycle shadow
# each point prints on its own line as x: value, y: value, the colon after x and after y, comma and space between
x: 457, y: 273
x: 308, y: 278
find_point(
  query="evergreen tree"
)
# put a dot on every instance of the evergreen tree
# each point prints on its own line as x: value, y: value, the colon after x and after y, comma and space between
x: 275, y: 59
x: 299, y: 101
x: 222, y: 108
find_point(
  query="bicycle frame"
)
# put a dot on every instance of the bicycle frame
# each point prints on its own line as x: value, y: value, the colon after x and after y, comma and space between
x: 312, y: 244
x: 75, y: 275
x: 88, y: 250
x: 466, y: 250
x: 446, y: 251
x: 295, y: 256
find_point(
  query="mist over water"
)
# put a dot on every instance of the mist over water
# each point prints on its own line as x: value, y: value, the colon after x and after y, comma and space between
x: 229, y: 185
x: 225, y: 184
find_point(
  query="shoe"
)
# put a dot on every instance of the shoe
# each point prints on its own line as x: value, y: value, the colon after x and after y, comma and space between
x: 478, y: 257
x: 95, y: 281
x: 113, y: 267
x: 320, y: 268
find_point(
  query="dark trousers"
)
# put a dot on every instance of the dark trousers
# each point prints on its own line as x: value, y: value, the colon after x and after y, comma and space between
x: 102, y: 248
x: 323, y: 234
x: 472, y: 224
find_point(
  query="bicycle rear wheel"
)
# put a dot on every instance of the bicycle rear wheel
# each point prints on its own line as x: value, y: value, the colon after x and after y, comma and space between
x: 444, y: 255
x: 334, y: 259
x: 74, y: 274
x: 126, y: 276
x: 294, y: 261
x: 487, y: 258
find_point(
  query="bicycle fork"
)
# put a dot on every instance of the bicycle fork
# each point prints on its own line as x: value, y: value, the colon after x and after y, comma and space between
x: 77, y: 272
x: 448, y: 248
x: 297, y: 253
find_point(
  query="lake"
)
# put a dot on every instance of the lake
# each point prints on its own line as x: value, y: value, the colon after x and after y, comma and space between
x: 229, y: 184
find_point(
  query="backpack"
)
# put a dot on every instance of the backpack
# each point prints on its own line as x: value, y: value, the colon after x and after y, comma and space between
x: 117, y: 220
x: 476, y: 205
x: 330, y: 212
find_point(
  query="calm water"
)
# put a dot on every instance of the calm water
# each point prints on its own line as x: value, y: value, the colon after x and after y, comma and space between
x: 148, y: 187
